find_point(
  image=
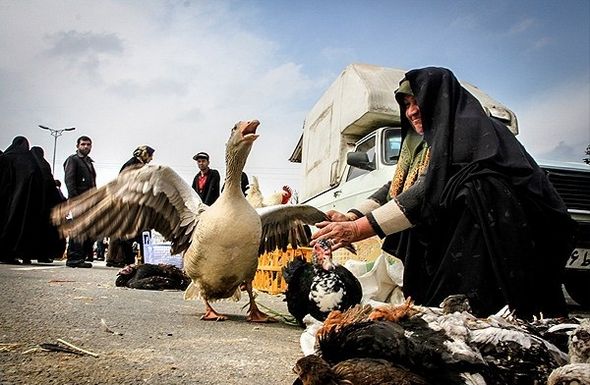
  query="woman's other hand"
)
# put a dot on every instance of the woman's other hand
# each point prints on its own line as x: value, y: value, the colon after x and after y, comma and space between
x: 337, y: 216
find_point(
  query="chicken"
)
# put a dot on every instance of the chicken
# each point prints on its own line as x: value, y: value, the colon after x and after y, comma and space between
x: 256, y: 199
x: 322, y: 286
x: 313, y: 370
x: 444, y: 348
x: 152, y: 277
x: 221, y: 243
x: 578, y: 370
x: 570, y: 374
x: 579, y: 343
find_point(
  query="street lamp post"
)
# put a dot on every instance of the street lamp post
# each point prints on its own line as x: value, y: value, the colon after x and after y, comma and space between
x: 55, y: 133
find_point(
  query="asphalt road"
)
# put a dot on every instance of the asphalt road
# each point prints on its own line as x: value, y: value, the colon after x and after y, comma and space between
x: 158, y: 337
x: 154, y: 338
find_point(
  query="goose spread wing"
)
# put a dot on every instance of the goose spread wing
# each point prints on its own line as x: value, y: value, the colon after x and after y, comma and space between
x: 285, y: 225
x: 150, y: 197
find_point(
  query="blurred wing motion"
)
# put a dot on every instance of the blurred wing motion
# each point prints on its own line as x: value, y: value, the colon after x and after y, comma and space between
x: 284, y: 225
x: 151, y: 197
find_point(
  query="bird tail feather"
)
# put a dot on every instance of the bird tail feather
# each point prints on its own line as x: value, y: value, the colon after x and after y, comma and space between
x: 192, y: 292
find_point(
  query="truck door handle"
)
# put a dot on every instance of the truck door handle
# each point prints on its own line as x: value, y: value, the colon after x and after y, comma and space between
x: 337, y: 193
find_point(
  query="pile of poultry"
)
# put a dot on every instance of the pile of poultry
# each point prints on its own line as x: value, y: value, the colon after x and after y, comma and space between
x: 412, y: 345
x: 148, y: 276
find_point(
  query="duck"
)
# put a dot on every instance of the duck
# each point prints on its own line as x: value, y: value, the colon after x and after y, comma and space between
x: 442, y: 347
x: 319, y: 287
x: 220, y: 243
x: 148, y: 276
x: 313, y: 370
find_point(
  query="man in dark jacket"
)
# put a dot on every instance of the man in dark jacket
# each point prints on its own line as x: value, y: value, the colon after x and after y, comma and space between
x: 80, y: 176
x: 206, y: 182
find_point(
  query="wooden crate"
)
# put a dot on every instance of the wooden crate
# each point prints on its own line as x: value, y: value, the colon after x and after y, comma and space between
x: 269, y: 275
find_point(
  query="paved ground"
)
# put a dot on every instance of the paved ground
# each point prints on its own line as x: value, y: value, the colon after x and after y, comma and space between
x: 159, y: 340
x: 158, y: 337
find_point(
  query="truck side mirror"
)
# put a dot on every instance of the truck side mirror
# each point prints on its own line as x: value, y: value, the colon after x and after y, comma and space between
x: 360, y: 160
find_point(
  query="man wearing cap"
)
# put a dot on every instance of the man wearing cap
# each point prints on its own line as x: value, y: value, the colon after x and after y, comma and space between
x: 206, y: 182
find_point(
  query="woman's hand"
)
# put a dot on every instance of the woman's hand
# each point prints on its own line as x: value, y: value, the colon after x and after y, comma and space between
x: 336, y: 216
x: 342, y: 233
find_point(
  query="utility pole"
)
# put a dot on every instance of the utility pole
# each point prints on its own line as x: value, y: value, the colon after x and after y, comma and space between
x: 55, y: 133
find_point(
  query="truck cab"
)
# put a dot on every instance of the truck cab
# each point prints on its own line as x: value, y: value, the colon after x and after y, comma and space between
x: 369, y: 166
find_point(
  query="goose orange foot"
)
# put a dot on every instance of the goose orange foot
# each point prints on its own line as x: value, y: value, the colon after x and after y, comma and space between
x: 211, y: 314
x: 255, y: 315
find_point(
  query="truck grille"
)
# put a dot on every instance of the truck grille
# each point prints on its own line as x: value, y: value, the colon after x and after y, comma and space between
x: 572, y: 186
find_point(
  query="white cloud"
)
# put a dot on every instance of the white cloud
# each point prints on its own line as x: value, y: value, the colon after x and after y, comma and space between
x: 176, y: 78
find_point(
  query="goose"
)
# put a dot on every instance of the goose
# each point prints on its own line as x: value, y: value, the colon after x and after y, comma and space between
x: 221, y: 243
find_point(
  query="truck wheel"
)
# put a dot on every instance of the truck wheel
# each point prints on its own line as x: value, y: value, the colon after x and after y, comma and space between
x: 577, y: 284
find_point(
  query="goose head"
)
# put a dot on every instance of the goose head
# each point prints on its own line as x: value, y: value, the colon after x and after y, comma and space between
x: 238, y: 147
x: 322, y: 255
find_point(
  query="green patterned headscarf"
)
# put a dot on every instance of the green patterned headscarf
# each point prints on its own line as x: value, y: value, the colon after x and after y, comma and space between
x: 413, y: 161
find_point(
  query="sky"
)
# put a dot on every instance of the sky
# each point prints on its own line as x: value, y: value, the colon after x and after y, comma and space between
x: 177, y: 75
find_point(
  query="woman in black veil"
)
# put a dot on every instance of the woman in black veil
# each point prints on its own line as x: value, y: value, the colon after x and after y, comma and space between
x: 489, y: 223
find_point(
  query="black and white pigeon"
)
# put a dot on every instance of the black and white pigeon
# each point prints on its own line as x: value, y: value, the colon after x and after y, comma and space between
x: 319, y: 287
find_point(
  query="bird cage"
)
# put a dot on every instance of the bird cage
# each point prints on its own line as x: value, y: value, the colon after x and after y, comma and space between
x: 269, y: 275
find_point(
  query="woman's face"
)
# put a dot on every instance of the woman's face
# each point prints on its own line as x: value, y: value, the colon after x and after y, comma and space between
x: 413, y: 113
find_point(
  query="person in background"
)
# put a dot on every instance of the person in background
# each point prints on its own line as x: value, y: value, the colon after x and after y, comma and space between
x: 490, y: 224
x: 27, y: 195
x: 80, y: 176
x: 50, y: 245
x: 59, y: 192
x: 244, y: 183
x: 207, y: 181
x: 101, y: 248
x: 120, y: 251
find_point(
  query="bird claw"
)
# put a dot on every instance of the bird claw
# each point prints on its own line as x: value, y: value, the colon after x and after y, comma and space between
x: 206, y: 317
x: 260, y: 317
x: 212, y: 315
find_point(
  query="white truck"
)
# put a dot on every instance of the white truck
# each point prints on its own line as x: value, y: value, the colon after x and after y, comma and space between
x: 350, y: 146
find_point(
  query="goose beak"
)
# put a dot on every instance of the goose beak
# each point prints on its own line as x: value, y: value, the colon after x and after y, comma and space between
x: 248, y: 129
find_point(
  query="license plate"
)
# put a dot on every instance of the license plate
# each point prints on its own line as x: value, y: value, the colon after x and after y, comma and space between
x: 579, y: 259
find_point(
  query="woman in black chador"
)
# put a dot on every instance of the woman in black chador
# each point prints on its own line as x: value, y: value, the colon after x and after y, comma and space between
x: 486, y: 221
x: 27, y: 194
